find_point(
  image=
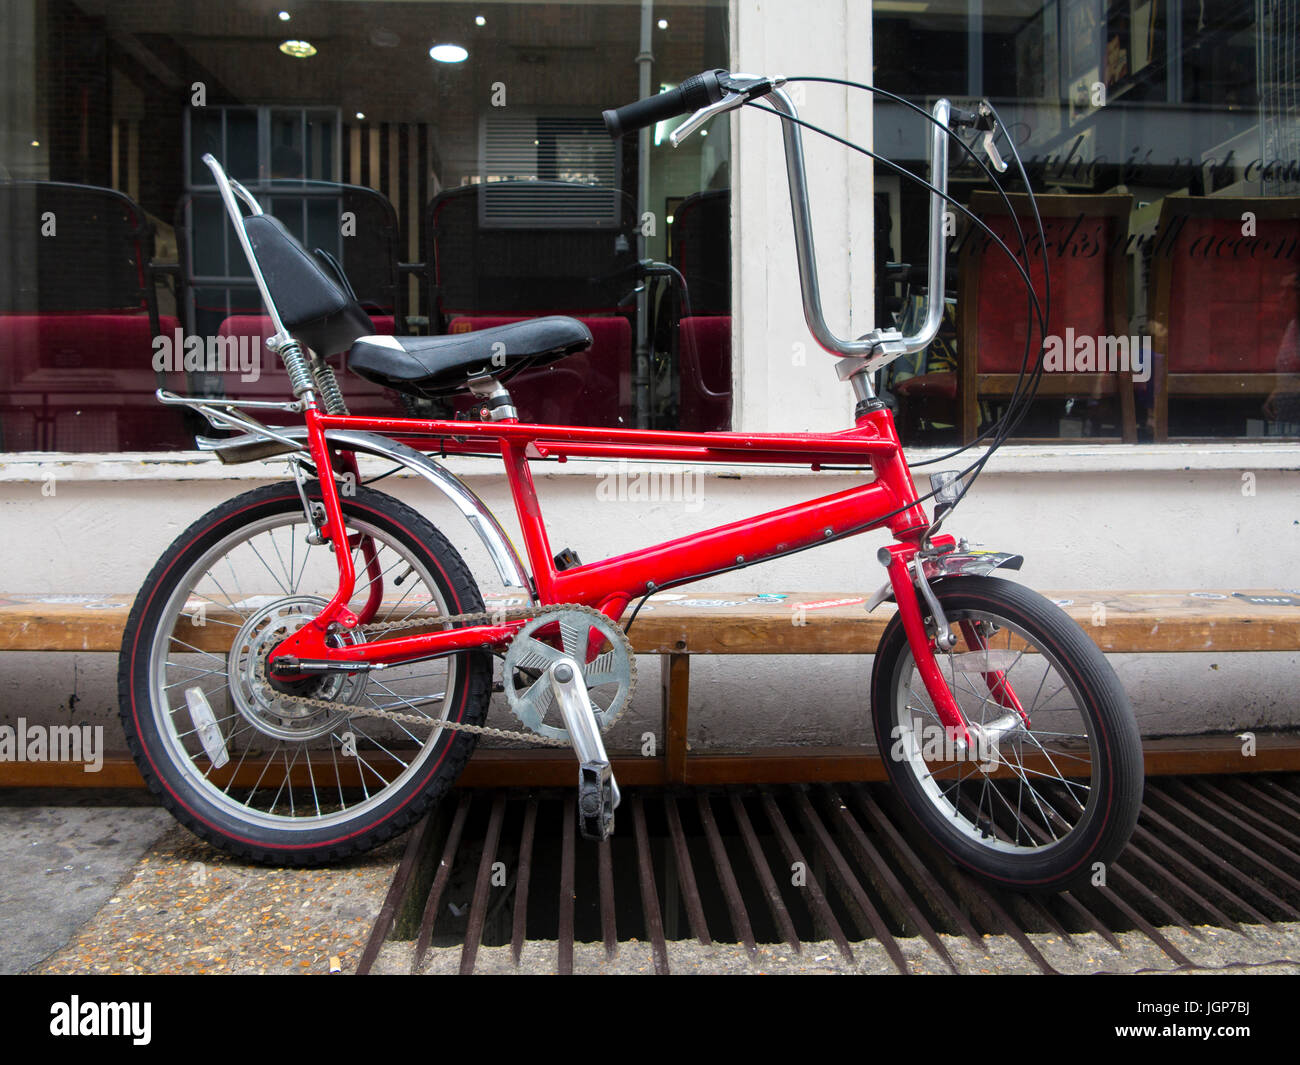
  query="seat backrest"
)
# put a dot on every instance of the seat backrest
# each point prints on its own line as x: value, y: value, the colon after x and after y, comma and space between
x: 1085, y: 240
x: 560, y: 253
x: 72, y: 248
x: 701, y: 250
x: 357, y: 225
x: 1223, y: 300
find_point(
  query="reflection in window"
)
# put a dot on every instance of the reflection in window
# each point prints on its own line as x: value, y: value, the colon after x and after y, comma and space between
x: 1180, y: 113
x: 453, y: 196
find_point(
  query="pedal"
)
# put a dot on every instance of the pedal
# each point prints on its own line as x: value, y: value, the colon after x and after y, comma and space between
x: 567, y: 559
x: 596, y: 801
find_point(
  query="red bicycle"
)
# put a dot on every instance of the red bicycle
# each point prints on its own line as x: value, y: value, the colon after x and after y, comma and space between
x: 308, y: 667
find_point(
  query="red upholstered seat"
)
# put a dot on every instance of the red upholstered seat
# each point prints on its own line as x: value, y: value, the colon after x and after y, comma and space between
x: 81, y: 382
x: 1231, y: 298
x: 705, y: 399
x: 1225, y: 305
x: 1085, y: 249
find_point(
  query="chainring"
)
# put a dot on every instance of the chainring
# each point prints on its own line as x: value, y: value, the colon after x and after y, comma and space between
x: 610, y: 676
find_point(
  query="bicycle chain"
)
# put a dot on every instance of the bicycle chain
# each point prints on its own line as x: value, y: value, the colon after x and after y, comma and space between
x: 496, y: 617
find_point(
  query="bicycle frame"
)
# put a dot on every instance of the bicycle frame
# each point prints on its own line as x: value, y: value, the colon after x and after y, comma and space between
x: 889, y: 500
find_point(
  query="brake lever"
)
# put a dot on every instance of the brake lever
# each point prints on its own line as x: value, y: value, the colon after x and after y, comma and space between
x: 986, y: 122
x: 741, y: 88
x: 727, y: 103
x: 992, y: 151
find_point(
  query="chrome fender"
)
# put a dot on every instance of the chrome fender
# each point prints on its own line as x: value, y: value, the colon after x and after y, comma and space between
x: 475, y: 511
x: 972, y: 562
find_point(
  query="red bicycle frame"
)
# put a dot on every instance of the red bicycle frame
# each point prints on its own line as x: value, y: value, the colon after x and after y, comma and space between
x: 889, y: 500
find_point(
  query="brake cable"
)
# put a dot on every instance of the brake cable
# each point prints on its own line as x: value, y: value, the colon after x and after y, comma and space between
x: 1018, y: 404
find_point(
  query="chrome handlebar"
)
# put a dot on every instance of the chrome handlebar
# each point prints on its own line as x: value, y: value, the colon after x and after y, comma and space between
x: 880, y: 346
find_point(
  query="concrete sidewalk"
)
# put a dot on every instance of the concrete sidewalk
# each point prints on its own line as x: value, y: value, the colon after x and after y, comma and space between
x: 91, y: 888
x: 59, y: 865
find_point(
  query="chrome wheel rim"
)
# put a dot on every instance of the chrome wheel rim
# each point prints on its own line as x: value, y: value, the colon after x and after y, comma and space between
x: 251, y: 574
x: 1022, y: 791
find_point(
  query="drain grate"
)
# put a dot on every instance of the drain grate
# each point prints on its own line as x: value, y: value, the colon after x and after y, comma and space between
x: 796, y: 864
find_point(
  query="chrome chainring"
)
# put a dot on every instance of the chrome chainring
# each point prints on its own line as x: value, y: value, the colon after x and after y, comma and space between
x: 569, y: 632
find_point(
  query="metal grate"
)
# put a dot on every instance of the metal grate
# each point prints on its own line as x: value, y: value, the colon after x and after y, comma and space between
x: 798, y: 864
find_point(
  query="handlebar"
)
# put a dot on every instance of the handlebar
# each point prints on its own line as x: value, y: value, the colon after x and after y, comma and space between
x: 696, y: 92
x: 717, y: 91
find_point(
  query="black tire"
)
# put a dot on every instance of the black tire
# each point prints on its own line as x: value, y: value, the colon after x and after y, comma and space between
x: 396, y: 786
x: 1034, y: 837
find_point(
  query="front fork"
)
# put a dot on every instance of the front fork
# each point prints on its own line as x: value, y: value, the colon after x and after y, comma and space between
x: 905, y: 564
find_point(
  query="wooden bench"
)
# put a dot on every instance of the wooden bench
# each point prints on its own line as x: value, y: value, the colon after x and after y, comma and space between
x: 678, y: 626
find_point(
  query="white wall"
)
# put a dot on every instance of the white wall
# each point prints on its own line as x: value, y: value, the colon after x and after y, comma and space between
x: 782, y: 380
x: 1156, y: 518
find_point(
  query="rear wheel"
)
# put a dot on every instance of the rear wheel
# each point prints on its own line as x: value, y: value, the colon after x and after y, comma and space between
x: 233, y: 755
x: 1041, y: 797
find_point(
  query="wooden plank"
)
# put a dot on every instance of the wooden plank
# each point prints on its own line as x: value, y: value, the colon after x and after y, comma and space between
x: 676, y: 677
x: 720, y: 623
x: 1275, y: 752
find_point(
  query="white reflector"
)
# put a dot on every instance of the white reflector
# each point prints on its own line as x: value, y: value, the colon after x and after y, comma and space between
x: 206, y: 724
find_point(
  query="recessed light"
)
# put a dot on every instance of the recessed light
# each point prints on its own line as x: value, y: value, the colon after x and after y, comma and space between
x: 663, y: 23
x: 285, y: 16
x: 479, y: 20
x: 704, y: 133
x: 360, y: 117
x: 36, y: 144
x: 298, y: 49
x: 448, y: 53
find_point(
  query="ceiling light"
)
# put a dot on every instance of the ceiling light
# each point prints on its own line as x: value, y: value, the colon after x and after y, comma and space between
x: 36, y: 144
x: 479, y: 20
x: 298, y: 49
x: 360, y: 117
x: 448, y: 53
x: 663, y: 23
x: 285, y: 16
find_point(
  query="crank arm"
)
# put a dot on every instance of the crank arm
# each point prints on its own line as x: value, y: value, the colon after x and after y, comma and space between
x: 598, y: 791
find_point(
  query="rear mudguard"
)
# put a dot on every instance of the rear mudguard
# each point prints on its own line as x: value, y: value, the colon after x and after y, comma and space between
x: 475, y: 511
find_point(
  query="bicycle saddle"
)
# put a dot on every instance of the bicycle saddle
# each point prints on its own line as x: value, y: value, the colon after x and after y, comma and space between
x: 435, y: 366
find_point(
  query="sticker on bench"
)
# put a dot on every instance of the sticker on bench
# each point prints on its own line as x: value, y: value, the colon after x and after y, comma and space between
x: 826, y: 604
x: 1268, y: 600
x: 81, y: 600
x: 710, y: 603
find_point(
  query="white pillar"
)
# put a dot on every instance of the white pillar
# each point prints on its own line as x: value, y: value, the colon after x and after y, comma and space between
x: 783, y: 381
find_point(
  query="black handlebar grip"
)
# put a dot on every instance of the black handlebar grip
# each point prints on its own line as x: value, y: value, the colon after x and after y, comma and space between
x: 699, y: 90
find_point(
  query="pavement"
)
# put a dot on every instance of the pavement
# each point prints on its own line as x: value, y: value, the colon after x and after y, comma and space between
x: 97, y: 886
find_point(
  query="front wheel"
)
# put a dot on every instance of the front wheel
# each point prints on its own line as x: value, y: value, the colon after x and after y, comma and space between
x: 1052, y: 783
x: 233, y: 754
